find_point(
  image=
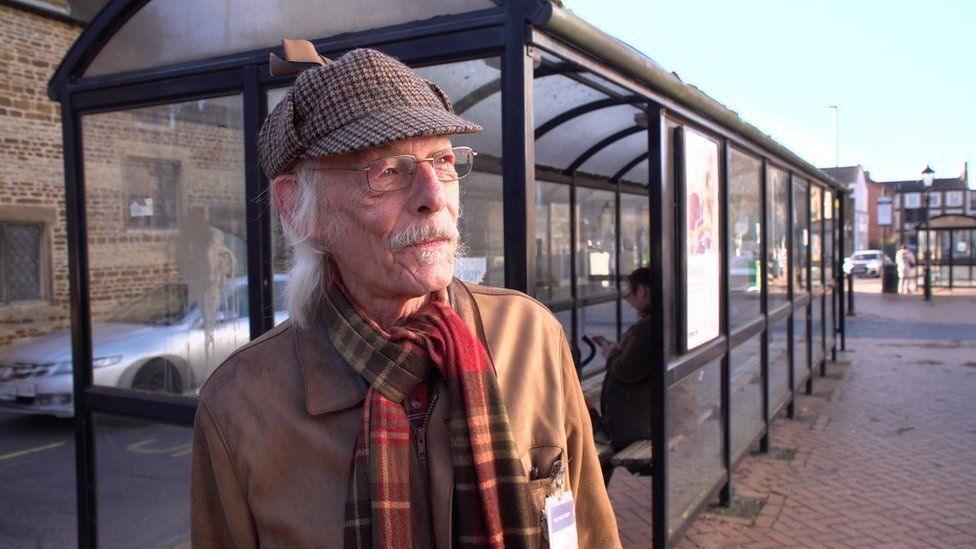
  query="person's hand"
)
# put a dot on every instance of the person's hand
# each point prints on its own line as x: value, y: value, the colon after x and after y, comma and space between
x: 607, y: 348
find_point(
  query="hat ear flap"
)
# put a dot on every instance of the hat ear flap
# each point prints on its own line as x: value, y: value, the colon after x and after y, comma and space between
x: 442, y: 96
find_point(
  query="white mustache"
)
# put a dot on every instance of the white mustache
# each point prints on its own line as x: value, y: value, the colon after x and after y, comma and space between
x: 418, y: 234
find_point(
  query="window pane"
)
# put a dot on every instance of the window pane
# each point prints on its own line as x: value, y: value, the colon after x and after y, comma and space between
x: 779, y: 365
x: 778, y: 192
x: 596, y: 241
x: 143, y: 489
x: 745, y: 237
x: 596, y: 320
x: 745, y: 394
x: 816, y: 238
x: 829, y: 229
x: 801, y: 353
x: 635, y: 228
x: 801, y: 235
x: 21, y: 256
x: 816, y: 328
x: 553, y: 277
x: 167, y: 245
x: 694, y: 440
x: 175, y: 31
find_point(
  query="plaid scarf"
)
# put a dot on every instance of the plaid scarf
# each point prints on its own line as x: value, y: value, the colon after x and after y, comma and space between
x: 492, y: 506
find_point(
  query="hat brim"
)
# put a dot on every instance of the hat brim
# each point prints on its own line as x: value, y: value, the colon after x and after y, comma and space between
x: 386, y: 126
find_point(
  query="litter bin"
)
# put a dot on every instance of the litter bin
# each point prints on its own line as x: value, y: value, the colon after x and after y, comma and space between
x: 889, y: 279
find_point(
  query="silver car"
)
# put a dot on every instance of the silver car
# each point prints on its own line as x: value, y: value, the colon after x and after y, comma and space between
x: 156, y: 342
x: 866, y: 262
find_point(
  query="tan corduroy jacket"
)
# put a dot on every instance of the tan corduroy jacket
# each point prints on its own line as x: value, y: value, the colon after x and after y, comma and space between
x: 276, y: 424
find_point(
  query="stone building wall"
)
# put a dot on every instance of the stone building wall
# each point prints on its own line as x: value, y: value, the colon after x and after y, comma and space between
x: 31, y: 168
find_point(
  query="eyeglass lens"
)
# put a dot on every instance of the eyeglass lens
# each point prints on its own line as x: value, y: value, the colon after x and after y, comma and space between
x: 396, y: 172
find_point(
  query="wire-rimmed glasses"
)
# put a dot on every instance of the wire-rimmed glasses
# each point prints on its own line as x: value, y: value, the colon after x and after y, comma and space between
x: 392, y: 173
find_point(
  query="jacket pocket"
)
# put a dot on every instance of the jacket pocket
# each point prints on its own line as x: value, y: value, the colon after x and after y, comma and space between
x: 541, y: 464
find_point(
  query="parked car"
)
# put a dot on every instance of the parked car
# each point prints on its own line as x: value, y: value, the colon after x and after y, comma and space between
x: 155, y: 342
x: 866, y: 262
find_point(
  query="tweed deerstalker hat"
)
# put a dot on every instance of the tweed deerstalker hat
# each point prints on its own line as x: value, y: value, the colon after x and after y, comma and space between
x: 361, y: 100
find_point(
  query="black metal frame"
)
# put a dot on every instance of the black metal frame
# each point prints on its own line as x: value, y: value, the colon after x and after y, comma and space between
x: 508, y: 31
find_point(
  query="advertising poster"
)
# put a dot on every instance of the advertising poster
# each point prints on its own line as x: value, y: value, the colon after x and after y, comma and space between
x: 702, y: 260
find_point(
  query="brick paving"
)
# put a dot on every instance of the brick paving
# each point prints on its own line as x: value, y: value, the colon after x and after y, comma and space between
x: 883, y: 453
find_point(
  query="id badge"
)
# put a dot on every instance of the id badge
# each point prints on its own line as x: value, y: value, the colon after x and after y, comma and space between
x: 561, y: 515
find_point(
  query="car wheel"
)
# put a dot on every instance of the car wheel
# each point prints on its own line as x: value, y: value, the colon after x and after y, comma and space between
x: 158, y: 376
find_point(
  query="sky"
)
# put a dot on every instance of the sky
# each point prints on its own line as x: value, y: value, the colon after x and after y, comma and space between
x: 902, y: 74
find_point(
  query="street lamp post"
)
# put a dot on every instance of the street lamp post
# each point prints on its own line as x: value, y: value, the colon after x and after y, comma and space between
x: 928, y: 177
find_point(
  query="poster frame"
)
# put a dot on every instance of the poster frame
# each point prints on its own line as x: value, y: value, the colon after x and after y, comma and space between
x: 681, y: 238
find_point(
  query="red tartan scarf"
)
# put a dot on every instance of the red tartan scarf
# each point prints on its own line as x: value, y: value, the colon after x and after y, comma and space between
x: 492, y: 505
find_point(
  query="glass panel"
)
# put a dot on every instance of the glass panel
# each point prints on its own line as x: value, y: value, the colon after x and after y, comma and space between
x: 628, y: 316
x: 166, y: 237
x: 165, y: 32
x: 555, y: 94
x: 745, y: 237
x: 801, y: 236
x: 483, y: 242
x: 143, y: 489
x: 565, y: 319
x: 38, y: 505
x: 596, y: 241
x: 830, y: 304
x: 595, y: 320
x: 615, y: 156
x: 778, y: 192
x: 694, y: 440
x: 561, y: 146
x: 779, y: 365
x: 829, y: 251
x: 474, y: 88
x: 745, y: 393
x: 638, y: 174
x: 553, y: 277
x: 801, y: 352
x: 635, y: 228
x: 816, y: 236
x: 816, y: 329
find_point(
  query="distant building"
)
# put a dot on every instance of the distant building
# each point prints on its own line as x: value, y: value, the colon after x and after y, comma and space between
x: 947, y: 196
x: 864, y: 196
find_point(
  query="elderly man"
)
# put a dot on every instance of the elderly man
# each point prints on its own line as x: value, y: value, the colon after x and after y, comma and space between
x: 397, y: 407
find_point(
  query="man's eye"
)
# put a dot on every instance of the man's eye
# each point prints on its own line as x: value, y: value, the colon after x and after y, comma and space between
x: 389, y: 171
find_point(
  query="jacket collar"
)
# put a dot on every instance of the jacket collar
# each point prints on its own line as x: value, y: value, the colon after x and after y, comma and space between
x: 331, y: 384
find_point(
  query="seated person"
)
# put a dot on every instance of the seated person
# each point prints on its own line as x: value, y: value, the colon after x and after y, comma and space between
x: 626, y: 395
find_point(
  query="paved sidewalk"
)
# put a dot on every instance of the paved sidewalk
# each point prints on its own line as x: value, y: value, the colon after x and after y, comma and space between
x: 883, y: 454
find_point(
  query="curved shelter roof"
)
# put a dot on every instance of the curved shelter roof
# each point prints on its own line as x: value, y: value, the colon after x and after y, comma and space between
x: 598, y: 121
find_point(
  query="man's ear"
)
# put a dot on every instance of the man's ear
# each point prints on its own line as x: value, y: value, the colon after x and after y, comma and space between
x: 284, y: 192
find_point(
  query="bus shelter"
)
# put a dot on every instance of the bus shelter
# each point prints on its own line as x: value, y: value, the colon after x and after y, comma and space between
x: 594, y: 161
x: 949, y: 242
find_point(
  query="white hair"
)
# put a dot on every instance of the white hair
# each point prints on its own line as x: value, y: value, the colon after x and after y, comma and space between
x: 309, y: 256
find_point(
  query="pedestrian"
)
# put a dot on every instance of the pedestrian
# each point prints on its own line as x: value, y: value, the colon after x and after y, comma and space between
x: 398, y: 406
x: 905, y: 260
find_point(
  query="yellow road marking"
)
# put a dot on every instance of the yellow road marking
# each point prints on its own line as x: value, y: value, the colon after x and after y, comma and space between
x: 142, y: 447
x: 31, y: 450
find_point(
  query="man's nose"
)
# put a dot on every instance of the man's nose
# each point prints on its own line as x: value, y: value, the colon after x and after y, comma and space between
x: 430, y: 193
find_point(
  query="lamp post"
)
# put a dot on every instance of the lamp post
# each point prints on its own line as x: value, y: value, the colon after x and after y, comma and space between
x: 928, y: 177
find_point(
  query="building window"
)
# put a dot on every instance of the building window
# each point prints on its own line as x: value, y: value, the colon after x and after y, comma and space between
x: 935, y: 200
x: 897, y: 201
x: 912, y: 200
x: 21, y: 247
x: 953, y: 199
x: 152, y: 193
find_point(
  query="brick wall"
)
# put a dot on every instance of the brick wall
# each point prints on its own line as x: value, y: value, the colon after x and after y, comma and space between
x: 31, y: 170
